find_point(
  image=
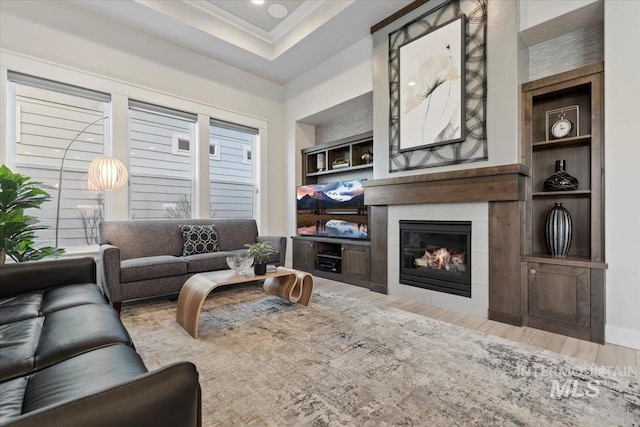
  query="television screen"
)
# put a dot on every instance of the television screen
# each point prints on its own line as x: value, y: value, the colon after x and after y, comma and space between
x: 334, y: 209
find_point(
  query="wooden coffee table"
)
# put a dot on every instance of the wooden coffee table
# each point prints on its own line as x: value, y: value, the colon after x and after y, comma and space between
x: 292, y: 285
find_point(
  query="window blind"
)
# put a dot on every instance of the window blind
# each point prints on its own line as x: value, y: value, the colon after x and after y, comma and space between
x: 233, y: 126
x: 159, y: 109
x: 41, y: 83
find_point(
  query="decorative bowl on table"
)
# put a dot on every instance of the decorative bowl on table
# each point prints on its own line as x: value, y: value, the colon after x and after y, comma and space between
x: 239, y: 263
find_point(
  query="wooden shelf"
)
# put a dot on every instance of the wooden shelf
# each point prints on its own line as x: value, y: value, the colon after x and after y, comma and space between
x: 328, y: 256
x: 561, y: 193
x: 568, y: 261
x: 339, y: 240
x: 574, y: 140
x: 340, y: 170
x: 350, y: 149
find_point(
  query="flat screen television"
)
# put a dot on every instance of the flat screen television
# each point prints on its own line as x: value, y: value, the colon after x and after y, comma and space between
x: 334, y: 209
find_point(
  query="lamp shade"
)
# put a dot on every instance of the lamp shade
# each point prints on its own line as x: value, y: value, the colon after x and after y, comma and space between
x: 107, y: 173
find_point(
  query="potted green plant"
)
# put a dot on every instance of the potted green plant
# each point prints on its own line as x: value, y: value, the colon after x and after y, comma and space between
x: 260, y: 252
x: 17, y: 230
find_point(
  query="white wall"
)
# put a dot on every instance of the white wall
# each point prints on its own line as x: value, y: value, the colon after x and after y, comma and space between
x: 62, y: 42
x: 622, y: 151
x: 502, y: 115
x: 534, y: 12
x: 341, y: 78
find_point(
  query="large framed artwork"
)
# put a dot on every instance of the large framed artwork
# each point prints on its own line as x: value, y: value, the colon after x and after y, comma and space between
x: 437, y: 88
x: 432, y: 87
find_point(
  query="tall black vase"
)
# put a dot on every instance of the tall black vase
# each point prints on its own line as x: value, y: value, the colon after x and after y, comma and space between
x: 559, y: 230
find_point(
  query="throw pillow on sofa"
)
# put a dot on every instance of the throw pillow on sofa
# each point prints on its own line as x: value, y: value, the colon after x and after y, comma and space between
x: 199, y: 239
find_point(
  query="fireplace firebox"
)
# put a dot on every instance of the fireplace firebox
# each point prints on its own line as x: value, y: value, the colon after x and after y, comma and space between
x: 436, y: 255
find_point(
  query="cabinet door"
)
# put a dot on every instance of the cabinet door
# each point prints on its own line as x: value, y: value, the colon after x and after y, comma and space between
x: 355, y: 261
x: 303, y: 255
x: 560, y: 293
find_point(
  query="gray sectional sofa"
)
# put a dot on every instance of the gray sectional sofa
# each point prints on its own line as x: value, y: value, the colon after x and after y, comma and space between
x: 144, y: 258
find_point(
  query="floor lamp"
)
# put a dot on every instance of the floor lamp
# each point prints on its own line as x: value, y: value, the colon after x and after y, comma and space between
x: 105, y: 173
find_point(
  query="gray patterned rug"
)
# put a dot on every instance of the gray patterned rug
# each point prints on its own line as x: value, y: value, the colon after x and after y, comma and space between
x: 342, y: 361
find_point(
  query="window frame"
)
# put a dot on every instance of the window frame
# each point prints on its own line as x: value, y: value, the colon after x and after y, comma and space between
x: 121, y: 93
x: 175, y: 144
x: 216, y: 152
x: 20, y: 162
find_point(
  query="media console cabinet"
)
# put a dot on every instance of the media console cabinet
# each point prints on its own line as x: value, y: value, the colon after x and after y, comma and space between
x: 347, y: 261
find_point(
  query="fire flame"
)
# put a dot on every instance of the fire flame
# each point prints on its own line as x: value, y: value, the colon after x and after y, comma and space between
x: 441, y: 259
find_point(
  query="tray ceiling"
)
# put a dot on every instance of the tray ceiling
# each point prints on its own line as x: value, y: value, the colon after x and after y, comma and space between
x: 236, y: 32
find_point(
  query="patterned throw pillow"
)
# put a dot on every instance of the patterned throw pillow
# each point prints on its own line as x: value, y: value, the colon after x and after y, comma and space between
x: 199, y: 239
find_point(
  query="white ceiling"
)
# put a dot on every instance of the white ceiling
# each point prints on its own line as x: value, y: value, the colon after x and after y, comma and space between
x: 256, y: 15
x: 242, y: 34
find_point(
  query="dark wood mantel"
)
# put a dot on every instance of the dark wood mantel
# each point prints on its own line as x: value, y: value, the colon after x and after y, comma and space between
x: 488, y: 184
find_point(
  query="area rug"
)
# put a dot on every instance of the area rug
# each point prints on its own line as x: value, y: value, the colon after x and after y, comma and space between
x: 341, y: 361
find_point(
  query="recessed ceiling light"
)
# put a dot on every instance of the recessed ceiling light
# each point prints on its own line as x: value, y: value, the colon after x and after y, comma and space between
x: 257, y: 1
x: 411, y: 83
x: 278, y: 11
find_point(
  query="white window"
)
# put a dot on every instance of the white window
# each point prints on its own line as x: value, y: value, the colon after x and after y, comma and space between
x: 181, y: 144
x: 160, y: 162
x: 48, y: 116
x: 232, y: 178
x: 214, y: 149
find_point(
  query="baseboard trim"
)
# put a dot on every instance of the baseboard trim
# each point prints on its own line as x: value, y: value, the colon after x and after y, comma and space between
x: 623, y: 336
x: 499, y: 316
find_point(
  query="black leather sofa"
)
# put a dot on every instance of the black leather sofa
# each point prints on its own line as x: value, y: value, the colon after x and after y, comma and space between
x: 66, y: 359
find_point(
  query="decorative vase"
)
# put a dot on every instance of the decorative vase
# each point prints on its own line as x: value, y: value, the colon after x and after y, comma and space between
x: 260, y: 268
x: 560, y: 180
x: 320, y: 162
x: 367, y: 157
x: 559, y: 229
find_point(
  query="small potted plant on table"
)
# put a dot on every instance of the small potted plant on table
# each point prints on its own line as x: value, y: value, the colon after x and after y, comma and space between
x: 260, y: 252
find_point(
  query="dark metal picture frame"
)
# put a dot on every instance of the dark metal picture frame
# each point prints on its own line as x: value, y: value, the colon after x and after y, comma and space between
x: 432, y: 87
x: 474, y: 147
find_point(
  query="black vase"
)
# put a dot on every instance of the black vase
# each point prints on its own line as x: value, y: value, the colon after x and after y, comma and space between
x: 561, y: 180
x: 559, y: 229
x: 260, y: 268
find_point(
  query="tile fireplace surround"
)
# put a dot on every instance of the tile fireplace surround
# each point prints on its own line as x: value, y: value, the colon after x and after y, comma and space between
x: 492, y: 198
x: 478, y: 214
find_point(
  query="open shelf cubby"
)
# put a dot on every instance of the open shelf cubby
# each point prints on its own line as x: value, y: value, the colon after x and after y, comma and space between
x: 337, y: 157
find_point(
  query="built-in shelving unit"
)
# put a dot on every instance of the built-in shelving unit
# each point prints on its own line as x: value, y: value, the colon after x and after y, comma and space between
x: 565, y: 295
x: 338, y: 157
x: 336, y: 258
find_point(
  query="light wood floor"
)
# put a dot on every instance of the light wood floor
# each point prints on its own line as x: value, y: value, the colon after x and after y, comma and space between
x: 606, y: 355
